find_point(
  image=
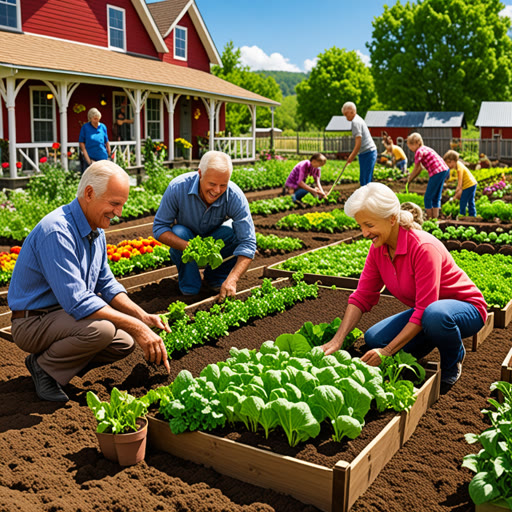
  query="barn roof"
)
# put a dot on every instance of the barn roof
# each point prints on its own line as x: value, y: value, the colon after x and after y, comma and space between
x: 338, y: 124
x: 495, y: 113
x: 408, y: 119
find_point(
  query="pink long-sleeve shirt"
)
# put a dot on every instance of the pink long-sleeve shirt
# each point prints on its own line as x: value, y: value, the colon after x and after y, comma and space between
x: 300, y: 172
x: 422, y: 272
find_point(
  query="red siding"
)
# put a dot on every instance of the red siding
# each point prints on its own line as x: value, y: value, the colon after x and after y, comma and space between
x: 84, y: 22
x: 488, y: 133
x: 197, y: 57
x: 392, y: 132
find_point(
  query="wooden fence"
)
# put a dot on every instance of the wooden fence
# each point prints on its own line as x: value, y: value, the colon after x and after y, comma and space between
x: 495, y: 149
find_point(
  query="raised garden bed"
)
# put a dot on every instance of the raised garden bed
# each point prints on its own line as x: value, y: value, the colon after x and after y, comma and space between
x: 502, y: 317
x: 328, y: 489
x: 338, y: 281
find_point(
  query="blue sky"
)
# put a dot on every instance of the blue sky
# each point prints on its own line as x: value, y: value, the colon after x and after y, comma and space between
x: 288, y: 35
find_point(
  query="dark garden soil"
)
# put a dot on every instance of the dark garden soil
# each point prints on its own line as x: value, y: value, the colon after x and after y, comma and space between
x: 50, y: 460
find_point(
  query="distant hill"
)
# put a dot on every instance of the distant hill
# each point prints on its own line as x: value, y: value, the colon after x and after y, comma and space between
x: 287, y: 80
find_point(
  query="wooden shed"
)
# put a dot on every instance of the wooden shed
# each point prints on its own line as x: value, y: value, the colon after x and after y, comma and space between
x: 495, y: 119
x: 433, y: 125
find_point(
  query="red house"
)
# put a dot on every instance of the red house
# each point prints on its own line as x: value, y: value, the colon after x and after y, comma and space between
x: 59, y: 58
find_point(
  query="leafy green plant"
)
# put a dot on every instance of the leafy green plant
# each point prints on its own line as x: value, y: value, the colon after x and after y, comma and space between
x: 276, y: 243
x: 400, y: 392
x: 120, y: 414
x: 341, y: 260
x: 322, y: 333
x: 204, y: 251
x: 493, y: 463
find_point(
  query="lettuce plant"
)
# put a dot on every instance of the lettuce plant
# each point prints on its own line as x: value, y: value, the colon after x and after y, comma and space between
x: 204, y: 251
x: 493, y: 463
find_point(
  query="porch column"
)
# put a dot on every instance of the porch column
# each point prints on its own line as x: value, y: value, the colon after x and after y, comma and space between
x: 137, y: 99
x: 62, y: 92
x: 217, y: 116
x: 170, y: 102
x: 272, y: 129
x: 209, y: 103
x: 252, y: 109
x: 11, y: 91
x: 1, y: 119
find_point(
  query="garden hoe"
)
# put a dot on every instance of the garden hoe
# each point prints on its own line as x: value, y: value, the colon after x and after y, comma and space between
x: 337, y: 178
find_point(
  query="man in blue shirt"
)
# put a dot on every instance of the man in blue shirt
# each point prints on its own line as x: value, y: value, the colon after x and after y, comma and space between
x: 207, y: 203
x: 68, y: 310
x: 93, y: 139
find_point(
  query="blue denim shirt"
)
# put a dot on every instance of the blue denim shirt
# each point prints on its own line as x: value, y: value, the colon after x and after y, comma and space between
x: 181, y: 204
x: 57, y: 265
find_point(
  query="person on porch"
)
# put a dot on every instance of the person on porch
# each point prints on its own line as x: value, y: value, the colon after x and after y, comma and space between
x: 93, y: 140
x: 207, y: 203
x: 68, y: 310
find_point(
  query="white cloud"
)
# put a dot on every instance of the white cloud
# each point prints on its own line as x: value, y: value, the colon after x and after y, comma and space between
x: 507, y: 11
x: 256, y: 58
x: 309, y: 64
x: 364, y: 58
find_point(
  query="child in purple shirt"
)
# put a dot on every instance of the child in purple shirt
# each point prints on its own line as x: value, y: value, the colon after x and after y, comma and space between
x: 296, y: 182
x: 437, y: 171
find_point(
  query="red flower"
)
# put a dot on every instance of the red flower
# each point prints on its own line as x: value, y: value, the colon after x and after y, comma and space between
x: 55, y: 145
x: 5, y: 165
x: 43, y: 160
x: 69, y: 154
x: 19, y: 165
x: 16, y: 249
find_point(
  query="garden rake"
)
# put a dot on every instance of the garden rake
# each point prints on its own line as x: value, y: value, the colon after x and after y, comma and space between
x: 337, y: 179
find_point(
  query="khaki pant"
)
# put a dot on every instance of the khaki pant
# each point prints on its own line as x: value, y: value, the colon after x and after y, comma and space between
x: 65, y: 345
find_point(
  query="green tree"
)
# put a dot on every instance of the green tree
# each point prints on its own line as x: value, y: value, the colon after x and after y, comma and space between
x: 338, y: 76
x: 285, y: 116
x: 287, y: 80
x: 446, y: 55
x: 238, y: 117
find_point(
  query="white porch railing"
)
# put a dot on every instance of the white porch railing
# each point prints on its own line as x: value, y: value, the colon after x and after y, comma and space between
x: 238, y: 148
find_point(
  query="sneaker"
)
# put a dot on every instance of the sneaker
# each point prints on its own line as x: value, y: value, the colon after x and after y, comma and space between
x: 453, y: 375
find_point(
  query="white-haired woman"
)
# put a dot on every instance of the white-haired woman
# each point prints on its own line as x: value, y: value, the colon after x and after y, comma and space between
x: 445, y: 305
x: 93, y: 139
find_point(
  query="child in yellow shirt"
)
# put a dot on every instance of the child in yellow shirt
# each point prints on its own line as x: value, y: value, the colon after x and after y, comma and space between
x: 466, y: 183
x: 398, y: 157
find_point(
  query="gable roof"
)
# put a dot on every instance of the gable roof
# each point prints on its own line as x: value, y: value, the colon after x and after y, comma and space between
x: 76, y: 62
x: 408, y: 119
x: 148, y: 22
x: 339, y: 124
x: 168, y: 13
x: 495, y: 113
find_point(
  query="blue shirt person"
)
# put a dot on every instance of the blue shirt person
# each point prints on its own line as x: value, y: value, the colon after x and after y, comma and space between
x: 93, y: 139
x: 68, y: 310
x: 207, y: 203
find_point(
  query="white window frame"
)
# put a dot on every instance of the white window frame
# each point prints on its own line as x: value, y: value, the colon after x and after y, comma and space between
x: 17, y: 28
x: 161, y: 122
x: 123, y: 12
x: 179, y: 57
x: 33, y: 88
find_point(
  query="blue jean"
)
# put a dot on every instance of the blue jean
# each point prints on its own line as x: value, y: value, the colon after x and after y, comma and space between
x: 444, y: 322
x: 467, y: 198
x: 299, y: 194
x: 432, y: 198
x: 189, y: 278
x: 366, y: 165
x: 402, y: 165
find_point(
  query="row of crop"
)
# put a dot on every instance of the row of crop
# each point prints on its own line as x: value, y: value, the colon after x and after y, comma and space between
x: 205, y: 325
x: 486, y: 209
x: 330, y: 222
x: 281, y: 204
x: 499, y: 237
x: 491, y: 273
x: 296, y: 390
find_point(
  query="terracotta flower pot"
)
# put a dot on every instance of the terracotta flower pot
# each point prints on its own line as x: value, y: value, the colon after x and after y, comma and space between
x: 125, y: 449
